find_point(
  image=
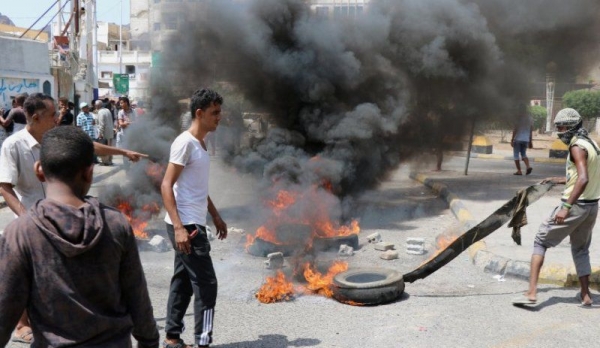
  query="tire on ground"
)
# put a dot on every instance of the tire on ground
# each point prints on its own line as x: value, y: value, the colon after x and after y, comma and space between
x: 368, y: 286
x: 333, y: 243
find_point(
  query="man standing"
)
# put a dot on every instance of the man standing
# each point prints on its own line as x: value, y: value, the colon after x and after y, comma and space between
x: 16, y: 114
x: 85, y: 119
x: 73, y: 262
x: 105, y: 129
x: 65, y: 117
x: 185, y: 195
x: 576, y: 215
x: 522, y: 138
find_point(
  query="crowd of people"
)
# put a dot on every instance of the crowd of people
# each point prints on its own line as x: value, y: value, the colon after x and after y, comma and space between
x: 105, y: 121
x: 71, y: 272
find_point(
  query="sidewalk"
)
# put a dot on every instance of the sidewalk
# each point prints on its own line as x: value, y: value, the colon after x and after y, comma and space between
x: 488, y: 186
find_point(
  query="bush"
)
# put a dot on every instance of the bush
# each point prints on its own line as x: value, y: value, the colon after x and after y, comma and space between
x: 539, y: 114
x: 587, y: 103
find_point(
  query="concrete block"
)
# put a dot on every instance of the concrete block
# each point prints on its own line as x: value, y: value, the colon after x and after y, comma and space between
x: 346, y: 250
x: 481, y: 144
x: 518, y: 269
x: 490, y: 262
x: 558, y: 149
x: 414, y: 252
x: 383, y: 246
x: 236, y: 230
x: 415, y: 249
x: 275, y: 260
x: 417, y: 241
x: 374, y: 238
x: 159, y: 244
x: 389, y: 255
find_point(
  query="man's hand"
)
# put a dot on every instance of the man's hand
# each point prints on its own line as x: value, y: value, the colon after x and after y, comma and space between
x: 221, y: 227
x: 512, y: 143
x: 560, y: 217
x: 531, y: 144
x: 182, y: 240
x: 134, y: 156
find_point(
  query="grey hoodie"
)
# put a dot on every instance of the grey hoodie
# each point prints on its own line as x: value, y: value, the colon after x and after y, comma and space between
x: 78, y: 273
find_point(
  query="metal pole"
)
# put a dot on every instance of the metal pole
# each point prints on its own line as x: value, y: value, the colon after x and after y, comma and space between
x: 470, y: 145
x: 95, y: 43
x: 121, y: 41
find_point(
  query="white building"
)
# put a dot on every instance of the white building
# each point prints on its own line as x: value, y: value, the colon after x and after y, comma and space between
x: 134, y: 63
x: 339, y: 8
x: 24, y: 67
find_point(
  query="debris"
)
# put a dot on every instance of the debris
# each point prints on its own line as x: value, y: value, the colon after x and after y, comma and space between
x: 374, y: 238
x: 471, y: 286
x: 383, y: 246
x: 499, y: 278
x: 415, y: 246
x: 389, y: 255
x: 275, y: 260
x: 346, y: 250
x: 159, y: 244
x: 236, y: 230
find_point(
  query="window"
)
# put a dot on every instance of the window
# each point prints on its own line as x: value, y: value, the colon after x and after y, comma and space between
x: 322, y: 11
x: 106, y: 74
x: 170, y: 21
x: 130, y: 69
x: 156, y: 26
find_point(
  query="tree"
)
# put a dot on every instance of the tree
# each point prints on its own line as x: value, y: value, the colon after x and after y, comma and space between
x: 539, y: 116
x: 587, y: 103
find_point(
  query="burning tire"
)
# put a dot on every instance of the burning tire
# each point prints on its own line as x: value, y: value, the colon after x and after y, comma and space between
x: 368, y: 286
x: 333, y: 243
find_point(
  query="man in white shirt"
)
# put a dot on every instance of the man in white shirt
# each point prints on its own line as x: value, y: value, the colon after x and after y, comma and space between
x: 185, y: 195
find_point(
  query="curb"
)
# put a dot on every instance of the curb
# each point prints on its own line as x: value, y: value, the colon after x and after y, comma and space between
x: 510, y: 158
x: 550, y: 274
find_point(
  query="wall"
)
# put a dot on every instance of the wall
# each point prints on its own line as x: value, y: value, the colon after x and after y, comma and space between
x: 25, y: 67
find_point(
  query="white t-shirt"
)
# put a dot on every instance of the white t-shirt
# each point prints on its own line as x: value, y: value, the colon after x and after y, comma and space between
x: 191, y: 188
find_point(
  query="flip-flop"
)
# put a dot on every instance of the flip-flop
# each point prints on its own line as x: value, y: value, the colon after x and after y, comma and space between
x: 529, y: 170
x: 583, y: 304
x: 523, y: 300
x: 25, y: 337
x: 517, y: 173
x: 180, y: 344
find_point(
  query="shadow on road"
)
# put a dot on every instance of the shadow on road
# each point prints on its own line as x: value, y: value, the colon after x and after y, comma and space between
x: 272, y: 341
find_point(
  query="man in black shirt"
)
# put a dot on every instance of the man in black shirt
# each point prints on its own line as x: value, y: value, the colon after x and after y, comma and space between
x: 65, y: 117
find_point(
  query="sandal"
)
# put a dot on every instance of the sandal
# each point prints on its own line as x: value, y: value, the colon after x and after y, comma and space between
x: 529, y: 170
x: 25, y: 337
x: 179, y: 344
x: 517, y: 173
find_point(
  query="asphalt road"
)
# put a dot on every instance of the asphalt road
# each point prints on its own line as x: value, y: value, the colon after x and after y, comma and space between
x: 458, y: 306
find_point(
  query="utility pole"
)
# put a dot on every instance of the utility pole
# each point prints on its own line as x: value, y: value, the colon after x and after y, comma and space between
x: 121, y: 41
x: 95, y: 43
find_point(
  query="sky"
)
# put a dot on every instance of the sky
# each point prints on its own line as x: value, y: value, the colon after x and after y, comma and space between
x: 24, y: 12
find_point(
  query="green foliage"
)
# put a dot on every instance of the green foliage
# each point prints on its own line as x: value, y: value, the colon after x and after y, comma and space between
x: 587, y: 103
x: 539, y: 114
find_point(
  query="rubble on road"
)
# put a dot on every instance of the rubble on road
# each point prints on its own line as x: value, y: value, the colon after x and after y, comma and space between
x: 383, y: 246
x: 374, y: 238
x: 346, y: 250
x: 389, y: 255
x: 275, y: 260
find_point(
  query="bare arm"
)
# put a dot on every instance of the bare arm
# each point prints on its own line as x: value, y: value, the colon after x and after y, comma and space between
x: 105, y: 150
x: 219, y: 223
x: 182, y: 238
x: 11, y: 199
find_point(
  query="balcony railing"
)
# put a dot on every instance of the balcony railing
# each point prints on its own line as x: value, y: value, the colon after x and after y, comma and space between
x: 136, y: 57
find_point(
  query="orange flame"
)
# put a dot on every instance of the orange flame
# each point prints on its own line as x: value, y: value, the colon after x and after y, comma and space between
x: 138, y: 223
x: 317, y: 215
x: 321, y: 283
x: 442, y: 242
x: 276, y: 289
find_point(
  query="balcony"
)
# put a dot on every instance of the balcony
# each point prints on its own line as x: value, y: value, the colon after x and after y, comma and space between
x: 129, y: 57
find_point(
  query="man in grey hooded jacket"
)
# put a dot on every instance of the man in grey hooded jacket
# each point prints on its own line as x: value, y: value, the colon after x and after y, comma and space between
x: 73, y: 262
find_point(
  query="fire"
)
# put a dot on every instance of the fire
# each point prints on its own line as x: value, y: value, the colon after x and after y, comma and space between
x: 138, y: 221
x: 314, y: 212
x: 156, y: 172
x: 276, y: 289
x: 442, y: 242
x: 321, y: 283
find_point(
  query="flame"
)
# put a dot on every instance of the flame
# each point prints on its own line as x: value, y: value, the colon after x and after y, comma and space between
x: 138, y: 221
x: 276, y: 289
x: 316, y: 214
x: 442, y: 242
x: 321, y: 283
x: 156, y: 172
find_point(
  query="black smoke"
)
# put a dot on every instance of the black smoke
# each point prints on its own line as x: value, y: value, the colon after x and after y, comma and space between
x: 350, y: 98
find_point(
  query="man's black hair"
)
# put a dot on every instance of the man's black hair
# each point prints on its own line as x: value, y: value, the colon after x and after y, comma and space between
x: 202, y: 99
x: 65, y: 152
x: 125, y: 99
x: 35, y: 102
x: 20, y: 98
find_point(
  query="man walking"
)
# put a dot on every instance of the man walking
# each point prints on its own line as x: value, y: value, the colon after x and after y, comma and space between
x: 73, y: 262
x: 185, y: 195
x: 522, y: 139
x: 576, y: 215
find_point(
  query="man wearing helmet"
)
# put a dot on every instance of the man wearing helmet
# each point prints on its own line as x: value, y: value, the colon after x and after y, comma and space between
x: 576, y: 215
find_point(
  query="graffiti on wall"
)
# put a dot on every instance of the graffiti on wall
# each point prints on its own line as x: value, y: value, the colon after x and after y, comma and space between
x: 10, y: 87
